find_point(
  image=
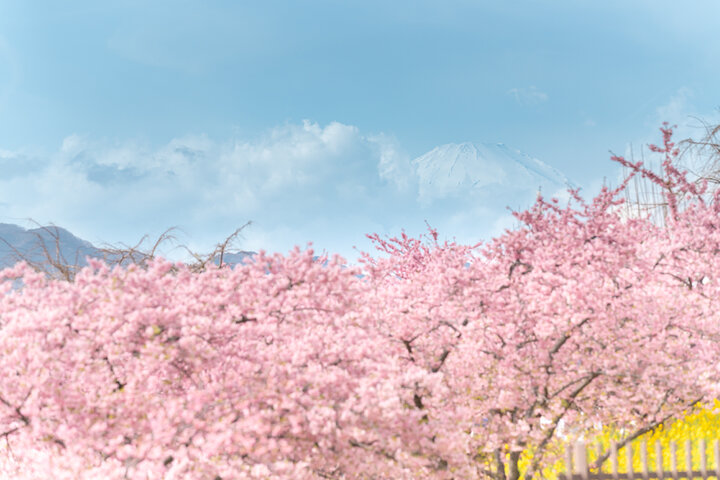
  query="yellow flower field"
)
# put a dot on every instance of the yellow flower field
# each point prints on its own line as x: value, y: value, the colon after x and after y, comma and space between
x: 702, y: 423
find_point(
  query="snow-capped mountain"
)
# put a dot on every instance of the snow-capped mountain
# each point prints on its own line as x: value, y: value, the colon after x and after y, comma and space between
x: 453, y: 170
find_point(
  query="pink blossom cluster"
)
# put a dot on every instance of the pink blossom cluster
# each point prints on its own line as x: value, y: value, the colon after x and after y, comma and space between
x: 433, y: 360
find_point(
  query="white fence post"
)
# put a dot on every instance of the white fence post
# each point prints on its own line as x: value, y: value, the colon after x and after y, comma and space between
x: 659, y: 460
x: 577, y: 464
x: 581, y: 463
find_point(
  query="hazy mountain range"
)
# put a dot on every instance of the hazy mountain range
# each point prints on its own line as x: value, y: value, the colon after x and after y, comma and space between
x: 450, y: 177
x: 17, y: 242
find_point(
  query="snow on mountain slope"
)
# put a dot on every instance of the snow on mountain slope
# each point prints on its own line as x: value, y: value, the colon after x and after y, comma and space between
x: 453, y: 170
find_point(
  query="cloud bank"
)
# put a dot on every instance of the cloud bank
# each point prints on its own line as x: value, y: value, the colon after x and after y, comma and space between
x: 297, y: 183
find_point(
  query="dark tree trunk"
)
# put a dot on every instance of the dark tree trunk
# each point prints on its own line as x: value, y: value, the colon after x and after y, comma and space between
x: 514, y: 468
x: 500, y: 472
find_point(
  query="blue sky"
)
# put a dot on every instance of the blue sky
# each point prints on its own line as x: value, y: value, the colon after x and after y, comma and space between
x: 119, y: 119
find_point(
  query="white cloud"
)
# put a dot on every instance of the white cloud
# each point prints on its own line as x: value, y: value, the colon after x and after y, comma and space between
x: 528, y: 96
x: 677, y: 108
x: 72, y: 144
x: 282, y: 180
x: 297, y: 183
x: 292, y: 155
x: 394, y: 165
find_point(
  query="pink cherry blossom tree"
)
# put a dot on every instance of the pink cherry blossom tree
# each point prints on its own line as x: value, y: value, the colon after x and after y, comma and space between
x: 437, y: 361
x: 580, y: 316
x: 265, y: 371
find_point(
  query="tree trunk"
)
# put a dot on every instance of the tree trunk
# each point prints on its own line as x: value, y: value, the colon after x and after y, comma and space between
x: 514, y: 468
x: 500, y: 472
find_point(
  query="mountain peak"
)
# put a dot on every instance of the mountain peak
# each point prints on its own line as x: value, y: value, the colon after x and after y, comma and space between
x: 458, y: 169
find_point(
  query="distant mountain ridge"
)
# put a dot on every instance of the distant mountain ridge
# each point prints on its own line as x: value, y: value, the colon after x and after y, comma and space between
x: 17, y: 242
